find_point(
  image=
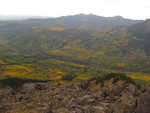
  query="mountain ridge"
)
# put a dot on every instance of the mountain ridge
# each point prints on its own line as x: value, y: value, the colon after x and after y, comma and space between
x: 74, y: 21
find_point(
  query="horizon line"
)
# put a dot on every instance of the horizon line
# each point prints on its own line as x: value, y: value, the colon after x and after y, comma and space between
x: 46, y: 16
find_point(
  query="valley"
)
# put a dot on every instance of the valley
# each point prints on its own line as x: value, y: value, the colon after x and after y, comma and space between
x: 75, y: 64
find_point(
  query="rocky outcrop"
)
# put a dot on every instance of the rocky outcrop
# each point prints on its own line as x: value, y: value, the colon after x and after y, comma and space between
x: 126, y: 104
x: 143, y: 104
x: 72, y: 98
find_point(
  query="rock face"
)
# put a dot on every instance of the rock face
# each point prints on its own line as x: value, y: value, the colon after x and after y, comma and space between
x: 71, y: 98
x: 143, y: 104
x: 126, y: 104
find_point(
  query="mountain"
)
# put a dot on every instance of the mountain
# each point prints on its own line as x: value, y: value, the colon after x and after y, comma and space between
x: 141, y: 29
x: 142, y: 32
x: 76, y: 21
x: 94, y: 21
x: 73, y: 46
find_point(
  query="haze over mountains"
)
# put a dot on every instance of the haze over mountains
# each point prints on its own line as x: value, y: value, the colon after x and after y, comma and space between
x: 15, y: 17
x: 76, y: 21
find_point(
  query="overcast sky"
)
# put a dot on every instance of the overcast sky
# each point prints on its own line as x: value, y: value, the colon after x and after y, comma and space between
x: 134, y: 9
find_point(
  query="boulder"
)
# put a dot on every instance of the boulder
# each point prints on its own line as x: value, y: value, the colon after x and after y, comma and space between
x: 87, y: 99
x: 104, y: 92
x: 28, y: 87
x: 126, y: 104
x: 116, y: 90
x: 133, y: 89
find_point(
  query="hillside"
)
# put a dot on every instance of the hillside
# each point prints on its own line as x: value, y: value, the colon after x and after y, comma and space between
x: 142, y: 32
x: 41, y: 50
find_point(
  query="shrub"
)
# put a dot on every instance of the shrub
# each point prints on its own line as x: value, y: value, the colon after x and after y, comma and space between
x: 114, y: 76
x: 68, y: 77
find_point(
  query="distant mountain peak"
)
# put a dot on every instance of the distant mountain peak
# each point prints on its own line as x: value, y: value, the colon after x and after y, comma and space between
x: 118, y: 17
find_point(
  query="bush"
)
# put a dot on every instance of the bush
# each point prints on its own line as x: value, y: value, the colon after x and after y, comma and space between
x: 68, y: 77
x: 114, y: 76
